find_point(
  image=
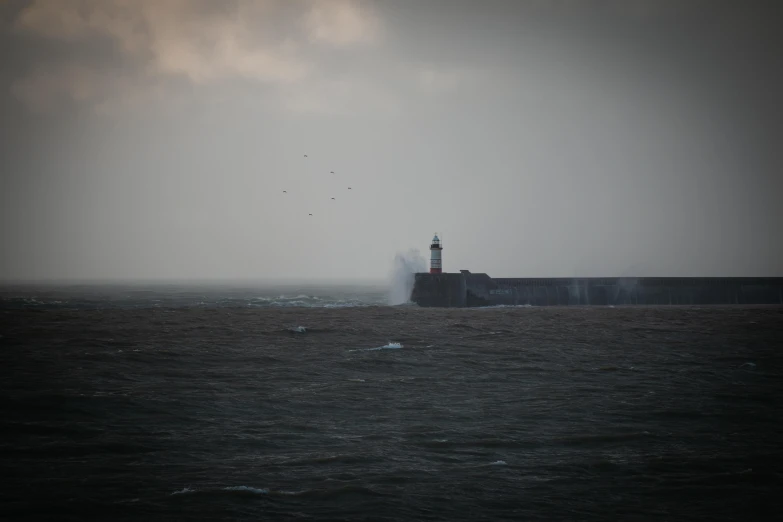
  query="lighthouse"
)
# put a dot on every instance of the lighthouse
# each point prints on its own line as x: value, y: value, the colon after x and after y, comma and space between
x: 436, y: 265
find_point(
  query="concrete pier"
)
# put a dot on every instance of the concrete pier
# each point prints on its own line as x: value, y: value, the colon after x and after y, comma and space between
x: 466, y: 289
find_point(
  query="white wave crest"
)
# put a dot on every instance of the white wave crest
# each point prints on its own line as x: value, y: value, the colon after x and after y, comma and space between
x: 248, y: 489
x: 390, y: 346
x: 293, y: 303
x: 343, y: 305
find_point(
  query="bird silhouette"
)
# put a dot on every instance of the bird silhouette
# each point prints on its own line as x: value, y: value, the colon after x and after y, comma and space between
x: 285, y: 192
x: 305, y: 155
x: 309, y: 214
x: 332, y: 198
x: 331, y: 172
x: 349, y: 188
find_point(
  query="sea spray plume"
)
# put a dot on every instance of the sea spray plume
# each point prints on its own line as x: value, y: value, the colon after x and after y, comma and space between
x: 402, y: 275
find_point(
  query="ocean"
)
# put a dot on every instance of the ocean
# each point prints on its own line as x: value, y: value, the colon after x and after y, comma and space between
x: 164, y: 402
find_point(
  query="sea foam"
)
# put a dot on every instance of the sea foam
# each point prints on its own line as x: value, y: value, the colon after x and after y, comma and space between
x: 402, y: 275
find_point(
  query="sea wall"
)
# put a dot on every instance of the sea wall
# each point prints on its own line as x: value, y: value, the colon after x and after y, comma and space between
x: 441, y: 290
x: 468, y: 289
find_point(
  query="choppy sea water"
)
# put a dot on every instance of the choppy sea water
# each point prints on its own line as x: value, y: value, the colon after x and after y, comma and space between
x: 127, y: 296
x: 127, y: 406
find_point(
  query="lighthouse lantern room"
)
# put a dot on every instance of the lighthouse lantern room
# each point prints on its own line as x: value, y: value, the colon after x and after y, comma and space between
x: 436, y: 265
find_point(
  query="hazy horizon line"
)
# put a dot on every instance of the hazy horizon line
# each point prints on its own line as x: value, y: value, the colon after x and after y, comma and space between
x: 364, y: 282
x: 330, y: 282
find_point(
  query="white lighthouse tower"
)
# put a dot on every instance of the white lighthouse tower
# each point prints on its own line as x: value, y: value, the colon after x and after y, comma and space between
x: 436, y: 265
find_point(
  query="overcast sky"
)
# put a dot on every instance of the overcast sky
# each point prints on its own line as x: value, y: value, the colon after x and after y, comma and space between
x: 154, y: 138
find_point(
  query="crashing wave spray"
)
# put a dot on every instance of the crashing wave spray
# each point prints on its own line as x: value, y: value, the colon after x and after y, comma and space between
x: 401, y: 277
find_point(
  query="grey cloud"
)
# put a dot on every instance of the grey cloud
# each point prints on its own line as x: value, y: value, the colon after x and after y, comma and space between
x: 204, y: 42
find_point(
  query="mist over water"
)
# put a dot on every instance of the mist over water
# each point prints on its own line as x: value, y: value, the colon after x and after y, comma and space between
x: 401, y: 277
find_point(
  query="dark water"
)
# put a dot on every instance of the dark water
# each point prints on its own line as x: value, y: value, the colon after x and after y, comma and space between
x: 228, y: 413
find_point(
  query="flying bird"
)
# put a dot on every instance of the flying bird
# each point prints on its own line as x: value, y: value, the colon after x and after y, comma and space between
x: 309, y: 214
x: 305, y: 155
x: 349, y: 188
x: 332, y: 198
x: 285, y: 192
x: 331, y: 172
